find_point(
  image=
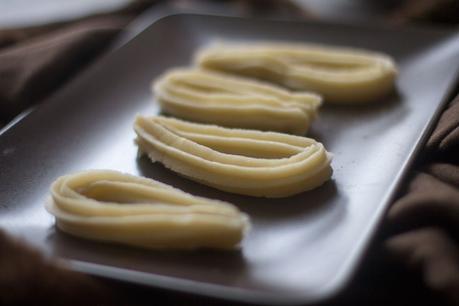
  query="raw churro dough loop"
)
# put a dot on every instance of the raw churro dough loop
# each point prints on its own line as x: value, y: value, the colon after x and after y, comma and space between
x: 210, y: 97
x: 116, y: 207
x: 248, y: 162
x: 340, y: 75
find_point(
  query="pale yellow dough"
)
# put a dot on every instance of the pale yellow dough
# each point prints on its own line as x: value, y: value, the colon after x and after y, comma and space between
x: 340, y: 75
x: 117, y: 207
x: 248, y: 162
x: 210, y: 97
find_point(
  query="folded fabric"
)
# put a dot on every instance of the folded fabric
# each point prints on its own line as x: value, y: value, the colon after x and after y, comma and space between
x: 30, y: 71
x: 425, y: 221
x: 27, y: 277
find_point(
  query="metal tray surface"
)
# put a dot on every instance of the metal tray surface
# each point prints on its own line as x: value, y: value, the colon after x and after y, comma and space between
x: 301, y: 249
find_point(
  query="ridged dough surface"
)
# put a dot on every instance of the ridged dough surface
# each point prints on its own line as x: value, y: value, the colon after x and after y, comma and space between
x: 340, y: 75
x: 248, y: 162
x: 210, y: 97
x: 116, y: 207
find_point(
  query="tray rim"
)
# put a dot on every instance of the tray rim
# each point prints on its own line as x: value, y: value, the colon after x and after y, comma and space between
x: 346, y: 272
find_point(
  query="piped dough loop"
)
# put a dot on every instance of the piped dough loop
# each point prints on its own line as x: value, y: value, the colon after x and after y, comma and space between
x: 116, y: 207
x: 248, y: 162
x: 216, y: 98
x: 340, y: 75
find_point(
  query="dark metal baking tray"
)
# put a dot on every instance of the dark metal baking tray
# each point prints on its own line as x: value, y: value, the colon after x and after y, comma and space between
x: 301, y: 249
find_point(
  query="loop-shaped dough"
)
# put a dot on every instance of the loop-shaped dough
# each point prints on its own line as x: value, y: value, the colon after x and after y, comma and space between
x: 117, y: 207
x: 216, y: 98
x: 249, y: 162
x: 340, y: 75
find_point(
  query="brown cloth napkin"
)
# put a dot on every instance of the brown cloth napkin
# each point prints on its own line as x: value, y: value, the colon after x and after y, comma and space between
x: 35, y: 61
x: 422, y: 225
x: 426, y: 218
x: 30, y: 71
